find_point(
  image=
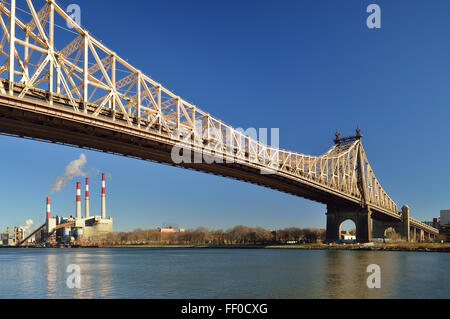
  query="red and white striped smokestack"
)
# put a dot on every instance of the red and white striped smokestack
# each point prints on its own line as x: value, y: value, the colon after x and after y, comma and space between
x: 103, y: 197
x: 78, y: 201
x: 87, y: 198
x: 48, y: 208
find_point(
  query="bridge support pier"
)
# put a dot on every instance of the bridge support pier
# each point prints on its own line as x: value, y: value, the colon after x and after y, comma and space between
x: 405, y: 223
x: 402, y: 227
x: 421, y: 236
x: 336, y: 215
x: 413, y: 236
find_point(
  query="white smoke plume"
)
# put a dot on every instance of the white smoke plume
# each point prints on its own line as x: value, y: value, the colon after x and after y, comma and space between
x: 74, y: 169
x: 29, y: 223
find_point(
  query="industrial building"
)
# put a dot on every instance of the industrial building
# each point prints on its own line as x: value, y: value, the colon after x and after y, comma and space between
x: 444, y: 224
x: 67, y: 230
x: 12, y: 238
x: 80, y: 228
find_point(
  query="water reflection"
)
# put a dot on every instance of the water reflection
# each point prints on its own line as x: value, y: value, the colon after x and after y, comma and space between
x: 51, y: 271
x: 96, y: 276
x: 347, y: 274
x: 103, y: 280
x: 85, y: 291
x: 221, y: 273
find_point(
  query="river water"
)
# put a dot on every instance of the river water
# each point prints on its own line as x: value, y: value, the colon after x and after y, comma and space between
x: 221, y: 273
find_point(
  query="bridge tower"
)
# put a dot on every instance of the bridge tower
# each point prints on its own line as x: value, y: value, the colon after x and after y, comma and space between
x: 361, y: 214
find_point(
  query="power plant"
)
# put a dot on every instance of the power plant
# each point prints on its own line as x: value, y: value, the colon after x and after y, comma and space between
x: 12, y: 238
x: 70, y: 230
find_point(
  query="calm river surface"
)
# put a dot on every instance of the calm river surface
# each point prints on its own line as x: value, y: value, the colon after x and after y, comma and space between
x: 221, y: 273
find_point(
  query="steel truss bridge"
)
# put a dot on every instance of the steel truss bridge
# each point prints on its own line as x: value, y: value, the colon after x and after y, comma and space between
x: 64, y: 86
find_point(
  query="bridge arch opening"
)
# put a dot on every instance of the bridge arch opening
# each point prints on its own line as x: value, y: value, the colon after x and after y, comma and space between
x: 347, y: 230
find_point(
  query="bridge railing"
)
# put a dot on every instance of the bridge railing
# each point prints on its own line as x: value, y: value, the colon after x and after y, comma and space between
x: 423, y: 226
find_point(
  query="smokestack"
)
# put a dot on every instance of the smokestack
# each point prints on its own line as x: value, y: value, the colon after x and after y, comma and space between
x: 48, y: 208
x: 78, y: 201
x: 87, y: 197
x: 103, y: 197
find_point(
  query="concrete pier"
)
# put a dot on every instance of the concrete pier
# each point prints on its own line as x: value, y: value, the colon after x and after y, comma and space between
x: 402, y: 228
x: 336, y: 215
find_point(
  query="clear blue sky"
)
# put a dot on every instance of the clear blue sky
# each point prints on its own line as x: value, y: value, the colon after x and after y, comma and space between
x: 306, y: 67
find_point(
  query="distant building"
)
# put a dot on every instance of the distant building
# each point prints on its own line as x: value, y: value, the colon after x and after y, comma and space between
x: 170, y: 230
x: 436, y: 223
x: 12, y: 238
x: 445, y: 217
x: 444, y: 225
x: 347, y: 236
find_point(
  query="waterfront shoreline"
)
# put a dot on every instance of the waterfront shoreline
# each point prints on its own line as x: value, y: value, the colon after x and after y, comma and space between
x: 374, y: 247
x: 418, y: 247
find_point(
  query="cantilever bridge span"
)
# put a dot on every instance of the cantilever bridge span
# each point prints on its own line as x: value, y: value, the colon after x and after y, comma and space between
x: 64, y: 86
